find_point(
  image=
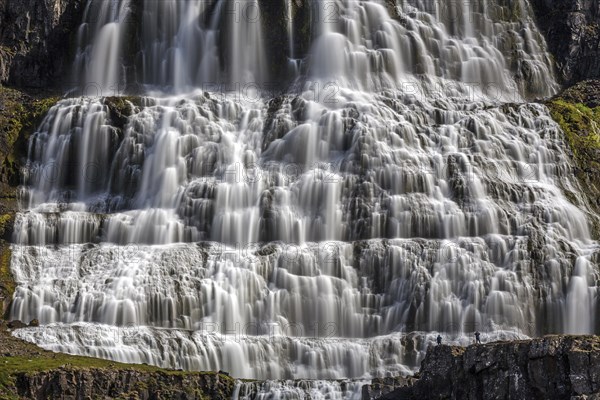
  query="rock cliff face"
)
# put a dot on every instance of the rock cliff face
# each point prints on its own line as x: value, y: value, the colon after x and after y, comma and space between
x: 572, y: 31
x: 552, y: 367
x: 77, y: 383
x: 36, y: 38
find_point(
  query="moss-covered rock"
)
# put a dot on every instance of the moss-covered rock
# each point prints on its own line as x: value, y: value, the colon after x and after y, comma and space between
x: 122, y: 107
x: 7, y: 281
x: 6, y: 222
x: 577, y: 111
x: 585, y: 92
x: 19, y: 116
x: 581, y: 125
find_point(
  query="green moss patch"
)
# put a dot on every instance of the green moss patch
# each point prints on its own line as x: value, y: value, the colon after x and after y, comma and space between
x: 7, y: 281
x: 6, y: 223
x: 581, y: 125
x: 19, y: 116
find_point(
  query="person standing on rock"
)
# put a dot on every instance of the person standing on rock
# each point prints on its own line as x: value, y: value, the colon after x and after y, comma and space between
x: 477, y: 337
x: 439, y: 339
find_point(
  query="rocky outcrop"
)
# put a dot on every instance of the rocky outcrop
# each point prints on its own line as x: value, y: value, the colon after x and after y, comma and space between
x: 586, y: 93
x: 552, y: 367
x: 572, y: 31
x: 37, y: 40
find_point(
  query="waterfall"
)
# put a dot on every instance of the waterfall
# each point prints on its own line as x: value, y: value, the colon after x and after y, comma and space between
x: 361, y: 46
x: 293, y: 62
x: 98, y: 63
x: 329, y: 233
x: 179, y: 47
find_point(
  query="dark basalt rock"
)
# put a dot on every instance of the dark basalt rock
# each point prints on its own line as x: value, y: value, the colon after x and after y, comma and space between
x: 586, y: 93
x: 572, y: 31
x: 36, y: 38
x: 552, y: 367
x: 76, y: 383
x: 16, y: 324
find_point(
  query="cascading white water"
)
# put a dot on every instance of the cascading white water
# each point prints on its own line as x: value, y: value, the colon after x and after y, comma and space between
x: 177, y: 50
x: 316, y: 390
x: 293, y: 62
x: 179, y: 44
x: 325, y: 235
x: 99, y: 39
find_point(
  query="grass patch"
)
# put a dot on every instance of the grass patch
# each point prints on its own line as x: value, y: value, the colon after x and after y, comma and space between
x: 36, y: 360
x: 9, y: 366
x: 20, y: 359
